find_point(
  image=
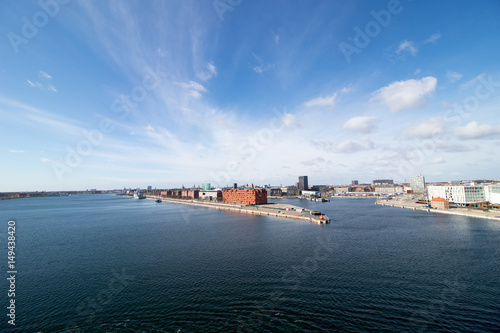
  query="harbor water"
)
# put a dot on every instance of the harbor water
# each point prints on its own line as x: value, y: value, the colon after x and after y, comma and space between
x: 106, y: 263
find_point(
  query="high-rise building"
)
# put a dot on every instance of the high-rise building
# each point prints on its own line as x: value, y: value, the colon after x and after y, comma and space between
x: 417, y: 184
x: 354, y: 183
x: 150, y: 188
x: 303, y: 183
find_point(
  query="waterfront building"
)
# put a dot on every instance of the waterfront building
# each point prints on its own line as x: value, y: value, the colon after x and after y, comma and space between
x: 274, y: 192
x: 316, y: 194
x: 492, y: 193
x: 417, y: 184
x: 303, y: 183
x: 354, y: 183
x: 150, y: 188
x: 440, y: 203
x: 388, y: 189
x: 343, y: 189
x: 193, y: 194
x: 465, y: 196
x: 210, y: 195
x: 291, y: 190
x: 382, y: 182
x: 246, y: 197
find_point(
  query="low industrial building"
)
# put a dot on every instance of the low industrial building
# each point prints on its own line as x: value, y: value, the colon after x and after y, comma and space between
x: 246, y: 197
x: 440, y: 203
x: 193, y: 194
x: 274, y: 192
x: 210, y: 195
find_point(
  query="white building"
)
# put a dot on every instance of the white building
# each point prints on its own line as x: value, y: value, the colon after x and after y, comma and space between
x: 461, y: 195
x: 417, y: 184
x: 492, y: 193
x: 389, y: 189
x: 311, y: 193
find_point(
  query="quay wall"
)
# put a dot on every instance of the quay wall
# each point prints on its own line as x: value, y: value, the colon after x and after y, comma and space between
x: 461, y: 212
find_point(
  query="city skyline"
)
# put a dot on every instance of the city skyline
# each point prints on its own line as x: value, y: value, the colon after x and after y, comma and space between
x: 112, y: 94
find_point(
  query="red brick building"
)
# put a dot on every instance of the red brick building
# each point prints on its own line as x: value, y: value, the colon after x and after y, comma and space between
x: 247, y: 197
x: 440, y: 203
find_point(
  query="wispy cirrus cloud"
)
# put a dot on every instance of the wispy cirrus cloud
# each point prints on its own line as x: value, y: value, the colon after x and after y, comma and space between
x: 407, y: 47
x: 327, y: 101
x: 433, y: 38
x: 453, y: 76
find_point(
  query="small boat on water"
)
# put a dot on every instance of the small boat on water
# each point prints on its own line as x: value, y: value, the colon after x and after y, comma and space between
x: 158, y: 200
x: 139, y: 195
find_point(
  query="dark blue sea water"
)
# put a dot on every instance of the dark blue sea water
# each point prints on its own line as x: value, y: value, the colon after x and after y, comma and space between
x: 106, y: 263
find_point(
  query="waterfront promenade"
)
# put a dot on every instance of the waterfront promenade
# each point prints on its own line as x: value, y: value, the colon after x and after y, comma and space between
x: 275, y: 210
x: 408, y: 204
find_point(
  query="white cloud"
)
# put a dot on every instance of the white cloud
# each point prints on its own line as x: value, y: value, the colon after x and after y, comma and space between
x: 195, y: 89
x: 472, y: 82
x: 44, y: 75
x: 209, y: 73
x: 475, y: 131
x: 433, y: 38
x: 407, y: 46
x: 195, y: 94
x: 346, y: 90
x: 347, y: 146
x: 15, y: 151
x: 363, y: 124
x: 41, y: 86
x: 262, y: 69
x: 427, y: 129
x: 437, y: 160
x: 45, y: 160
x: 35, y: 84
x: 453, y: 76
x: 149, y: 128
x: 277, y: 39
x: 410, y: 94
x: 322, y: 101
x: 192, y: 85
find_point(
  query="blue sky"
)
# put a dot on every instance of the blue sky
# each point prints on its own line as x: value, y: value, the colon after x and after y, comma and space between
x: 107, y: 94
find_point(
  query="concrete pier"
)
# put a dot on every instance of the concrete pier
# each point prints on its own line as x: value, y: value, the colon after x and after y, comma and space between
x: 276, y: 210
